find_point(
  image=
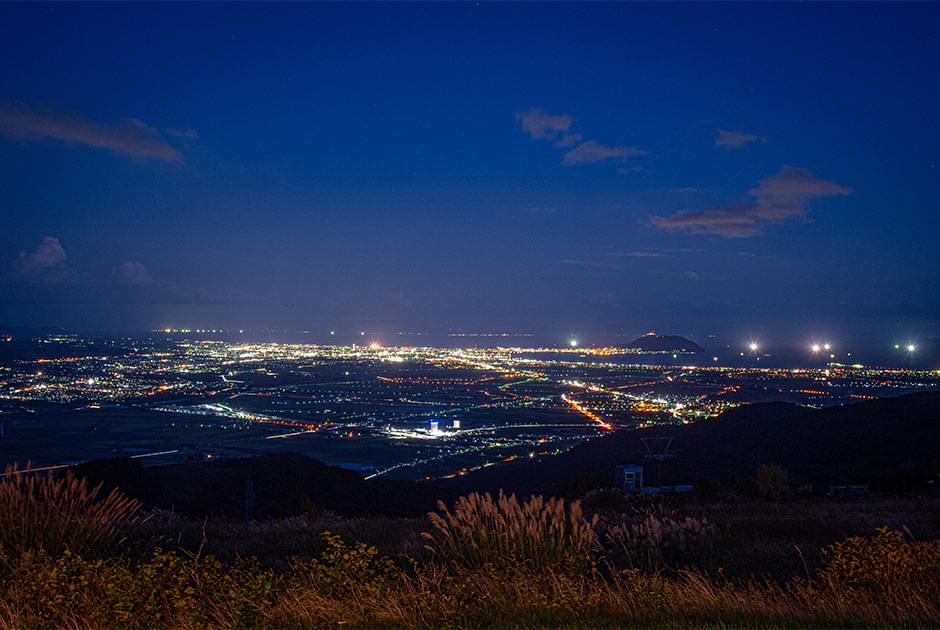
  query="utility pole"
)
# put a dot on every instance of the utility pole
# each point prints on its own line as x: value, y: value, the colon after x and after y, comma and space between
x: 658, y: 448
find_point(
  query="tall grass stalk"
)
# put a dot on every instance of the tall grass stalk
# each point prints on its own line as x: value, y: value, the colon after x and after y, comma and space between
x: 54, y: 513
x: 538, y: 533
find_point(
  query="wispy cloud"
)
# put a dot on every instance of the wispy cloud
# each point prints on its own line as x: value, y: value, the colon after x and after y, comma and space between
x: 44, y: 265
x: 643, y: 253
x: 130, y: 137
x: 591, y: 151
x: 594, y: 264
x: 192, y: 134
x: 736, y: 139
x: 541, y: 125
x: 132, y: 273
x: 544, y: 126
x: 777, y: 199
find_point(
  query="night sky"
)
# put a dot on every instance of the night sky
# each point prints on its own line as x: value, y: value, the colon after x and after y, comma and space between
x: 736, y: 170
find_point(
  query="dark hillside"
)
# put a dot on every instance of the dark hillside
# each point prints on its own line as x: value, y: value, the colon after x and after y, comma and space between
x: 888, y: 443
x: 270, y: 486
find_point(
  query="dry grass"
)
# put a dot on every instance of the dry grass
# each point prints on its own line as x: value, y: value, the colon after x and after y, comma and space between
x: 494, y: 562
x: 654, y: 541
x: 538, y: 533
x: 41, y: 511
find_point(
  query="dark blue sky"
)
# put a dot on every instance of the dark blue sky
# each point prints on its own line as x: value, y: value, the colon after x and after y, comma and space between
x: 733, y: 169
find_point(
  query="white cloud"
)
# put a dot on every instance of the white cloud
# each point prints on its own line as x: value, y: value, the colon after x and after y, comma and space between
x: 735, y: 139
x: 541, y: 125
x: 46, y: 264
x: 776, y: 199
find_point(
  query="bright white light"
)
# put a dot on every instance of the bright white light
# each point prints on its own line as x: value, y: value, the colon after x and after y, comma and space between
x: 827, y: 347
x: 815, y: 347
x: 573, y: 343
x: 753, y: 346
x: 911, y: 347
x: 375, y: 345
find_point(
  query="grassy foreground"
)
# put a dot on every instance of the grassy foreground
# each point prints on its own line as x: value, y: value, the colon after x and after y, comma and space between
x: 70, y: 557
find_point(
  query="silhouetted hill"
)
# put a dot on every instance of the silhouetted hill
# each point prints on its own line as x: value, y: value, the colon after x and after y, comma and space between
x: 269, y: 486
x: 664, y: 343
x: 888, y: 443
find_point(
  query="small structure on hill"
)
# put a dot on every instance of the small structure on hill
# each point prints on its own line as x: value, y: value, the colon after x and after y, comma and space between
x: 629, y: 477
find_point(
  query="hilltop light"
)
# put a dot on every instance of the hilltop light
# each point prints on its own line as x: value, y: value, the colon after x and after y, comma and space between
x: 827, y: 347
x: 753, y: 346
x: 911, y: 347
x: 573, y: 343
x: 815, y: 348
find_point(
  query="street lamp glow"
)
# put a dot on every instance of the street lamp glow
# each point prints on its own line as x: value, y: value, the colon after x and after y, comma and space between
x: 827, y: 347
x: 753, y: 346
x: 573, y: 343
x: 815, y: 348
x: 911, y: 347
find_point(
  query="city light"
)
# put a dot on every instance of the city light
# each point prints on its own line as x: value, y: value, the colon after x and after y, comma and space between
x: 827, y: 347
x: 573, y: 343
x: 213, y: 384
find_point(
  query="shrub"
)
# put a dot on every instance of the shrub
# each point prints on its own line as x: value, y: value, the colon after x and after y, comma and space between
x: 57, y: 513
x: 165, y: 590
x: 535, y: 534
x: 341, y: 566
x: 772, y: 482
x: 886, y: 564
